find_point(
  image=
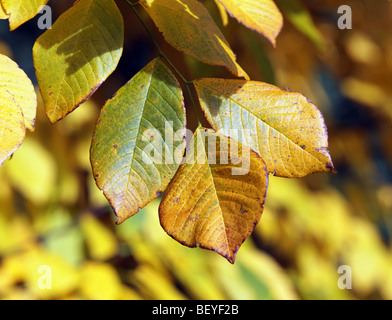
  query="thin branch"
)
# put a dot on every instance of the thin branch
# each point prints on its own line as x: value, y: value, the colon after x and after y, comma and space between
x: 163, y: 56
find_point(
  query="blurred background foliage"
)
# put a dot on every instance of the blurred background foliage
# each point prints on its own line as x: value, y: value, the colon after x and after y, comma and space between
x: 51, y: 212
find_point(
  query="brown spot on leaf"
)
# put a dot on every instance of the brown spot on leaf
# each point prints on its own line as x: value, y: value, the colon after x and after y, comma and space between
x: 242, y: 211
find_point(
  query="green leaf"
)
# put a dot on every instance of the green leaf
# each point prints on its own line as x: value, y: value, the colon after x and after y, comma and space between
x: 74, y: 57
x: 138, y: 141
x: 284, y: 128
x: 188, y: 27
x: 20, y: 11
x: 216, y: 197
x: 17, y: 98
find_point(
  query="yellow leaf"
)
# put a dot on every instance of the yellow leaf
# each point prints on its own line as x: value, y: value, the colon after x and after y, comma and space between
x: 12, y: 129
x: 262, y: 16
x: 101, y: 243
x: 15, y: 234
x: 32, y: 172
x: 15, y: 81
x: 223, y: 13
x: 189, y: 267
x: 284, y: 128
x: 188, y: 27
x: 21, y: 88
x: 37, y: 267
x: 154, y: 284
x: 102, y: 282
x: 17, y: 98
x: 268, y: 271
x: 40, y: 264
x: 3, y: 14
x: 231, y: 280
x: 317, y: 276
x: 20, y: 11
x: 216, y: 198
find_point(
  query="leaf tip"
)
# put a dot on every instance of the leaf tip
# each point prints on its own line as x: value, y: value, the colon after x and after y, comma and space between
x: 231, y: 256
x: 231, y: 259
x: 125, y: 214
x: 121, y: 218
x: 53, y: 117
x: 330, y: 168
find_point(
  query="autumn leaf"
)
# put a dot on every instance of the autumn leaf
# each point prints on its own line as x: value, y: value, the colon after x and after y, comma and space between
x: 284, y: 128
x: 3, y: 14
x: 223, y: 13
x: 74, y: 57
x: 17, y: 98
x: 12, y: 129
x: 188, y: 27
x: 262, y: 16
x: 216, y: 198
x: 20, y: 11
x: 132, y: 158
x: 100, y: 242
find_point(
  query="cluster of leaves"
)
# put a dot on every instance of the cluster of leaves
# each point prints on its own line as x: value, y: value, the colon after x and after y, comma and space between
x: 204, y: 203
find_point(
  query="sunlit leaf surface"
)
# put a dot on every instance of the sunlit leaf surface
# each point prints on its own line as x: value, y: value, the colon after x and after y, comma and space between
x: 132, y: 158
x: 284, y: 128
x: 20, y: 11
x: 17, y: 99
x: 262, y: 16
x: 74, y: 57
x: 188, y: 27
x: 217, y: 196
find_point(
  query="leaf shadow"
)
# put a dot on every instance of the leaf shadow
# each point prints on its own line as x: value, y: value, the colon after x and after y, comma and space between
x: 214, y: 101
x: 193, y: 31
x: 81, y: 43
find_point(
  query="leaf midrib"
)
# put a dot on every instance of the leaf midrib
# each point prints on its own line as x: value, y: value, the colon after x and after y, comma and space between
x: 137, y: 135
x: 217, y: 197
x: 266, y: 123
x: 76, y: 43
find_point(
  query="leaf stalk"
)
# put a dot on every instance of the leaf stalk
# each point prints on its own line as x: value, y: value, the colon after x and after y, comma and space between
x: 187, y: 83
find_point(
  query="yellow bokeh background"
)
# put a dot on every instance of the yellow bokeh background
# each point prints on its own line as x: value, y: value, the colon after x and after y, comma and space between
x: 52, y: 214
